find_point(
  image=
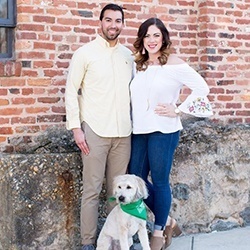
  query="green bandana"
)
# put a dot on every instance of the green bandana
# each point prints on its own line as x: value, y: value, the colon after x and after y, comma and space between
x: 137, y: 209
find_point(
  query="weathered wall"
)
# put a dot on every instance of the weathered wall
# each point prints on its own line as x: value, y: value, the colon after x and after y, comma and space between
x: 210, y: 177
x: 212, y: 36
x: 40, y: 197
x: 40, y: 190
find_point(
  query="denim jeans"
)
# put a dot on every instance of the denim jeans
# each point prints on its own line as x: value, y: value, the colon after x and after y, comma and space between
x: 154, y: 153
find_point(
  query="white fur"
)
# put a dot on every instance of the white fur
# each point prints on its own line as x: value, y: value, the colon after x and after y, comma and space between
x: 121, y: 226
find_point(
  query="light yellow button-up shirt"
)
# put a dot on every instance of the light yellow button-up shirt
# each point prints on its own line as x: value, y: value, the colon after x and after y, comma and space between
x: 101, y: 74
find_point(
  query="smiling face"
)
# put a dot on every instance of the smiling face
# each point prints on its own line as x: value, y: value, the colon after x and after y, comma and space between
x: 111, y: 26
x: 153, y: 41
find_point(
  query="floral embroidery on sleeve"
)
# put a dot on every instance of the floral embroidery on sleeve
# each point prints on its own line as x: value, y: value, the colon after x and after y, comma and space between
x: 199, y: 106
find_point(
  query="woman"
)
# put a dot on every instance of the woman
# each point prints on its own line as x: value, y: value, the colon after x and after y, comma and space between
x: 159, y: 77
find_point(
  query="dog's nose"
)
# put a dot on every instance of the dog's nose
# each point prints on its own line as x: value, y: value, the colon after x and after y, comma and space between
x: 121, y: 198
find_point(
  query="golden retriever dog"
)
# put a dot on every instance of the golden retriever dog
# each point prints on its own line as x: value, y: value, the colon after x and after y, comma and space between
x: 128, y: 217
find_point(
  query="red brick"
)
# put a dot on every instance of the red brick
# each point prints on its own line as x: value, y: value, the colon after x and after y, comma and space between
x: 243, y: 37
x: 30, y: 73
x: 61, y: 28
x: 243, y: 21
x: 53, y: 91
x: 4, y: 120
x: 233, y: 105
x: 43, y: 37
x: 26, y: 35
x: 44, y: 19
x: 11, y: 111
x: 39, y: 82
x: 58, y: 109
x: 6, y: 131
x: 4, y: 102
x: 225, y: 98
x: 52, y: 73
x: 3, y: 139
x: 182, y: 3
x: 218, y: 75
x: 62, y: 65
x: 86, y: 5
x: 233, y: 91
x: 23, y: 100
x: 206, y: 4
x: 226, y: 113
x: 31, y: 27
x: 57, y: 11
x: 68, y: 21
x: 3, y: 91
x: 27, y: 91
x: 43, y: 64
x: 39, y: 91
x: 43, y: 45
x: 234, y: 13
x: 217, y: 90
x: 57, y: 38
x: 32, y: 55
x: 37, y: 110
x: 23, y: 120
x: 224, y: 5
x: 243, y: 113
x: 65, y: 3
x: 29, y: 9
x: 50, y: 118
x: 48, y: 99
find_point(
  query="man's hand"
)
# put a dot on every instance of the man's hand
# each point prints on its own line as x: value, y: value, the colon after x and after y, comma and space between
x: 80, y: 140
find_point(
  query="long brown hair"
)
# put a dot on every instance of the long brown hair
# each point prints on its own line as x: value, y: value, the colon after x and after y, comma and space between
x: 141, y: 55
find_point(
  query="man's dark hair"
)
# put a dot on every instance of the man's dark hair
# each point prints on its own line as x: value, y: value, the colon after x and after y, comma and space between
x: 114, y: 7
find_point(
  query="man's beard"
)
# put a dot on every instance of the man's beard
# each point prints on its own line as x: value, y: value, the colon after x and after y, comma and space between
x: 110, y: 37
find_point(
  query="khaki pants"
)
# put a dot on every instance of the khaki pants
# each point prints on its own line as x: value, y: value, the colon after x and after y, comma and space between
x: 108, y: 157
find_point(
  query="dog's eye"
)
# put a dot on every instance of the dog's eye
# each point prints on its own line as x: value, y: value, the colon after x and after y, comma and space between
x: 119, y: 187
x: 128, y: 187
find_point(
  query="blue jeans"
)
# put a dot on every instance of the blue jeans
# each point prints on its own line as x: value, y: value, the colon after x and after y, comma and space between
x: 154, y: 153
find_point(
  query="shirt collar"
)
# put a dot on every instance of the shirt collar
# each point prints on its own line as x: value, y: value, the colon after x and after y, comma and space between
x: 104, y: 43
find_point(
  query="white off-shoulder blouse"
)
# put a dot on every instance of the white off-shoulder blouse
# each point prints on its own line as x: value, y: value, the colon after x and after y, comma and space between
x: 162, y: 84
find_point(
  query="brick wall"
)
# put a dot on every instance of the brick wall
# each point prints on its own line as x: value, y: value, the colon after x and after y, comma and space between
x: 212, y: 36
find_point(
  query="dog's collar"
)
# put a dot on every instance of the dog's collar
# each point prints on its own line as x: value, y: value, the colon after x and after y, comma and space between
x: 137, y: 209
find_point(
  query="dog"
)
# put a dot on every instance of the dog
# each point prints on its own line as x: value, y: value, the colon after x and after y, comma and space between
x: 120, y: 226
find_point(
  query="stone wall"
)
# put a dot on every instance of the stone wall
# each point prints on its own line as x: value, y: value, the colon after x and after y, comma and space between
x: 40, y: 195
x: 40, y: 187
x: 210, y: 177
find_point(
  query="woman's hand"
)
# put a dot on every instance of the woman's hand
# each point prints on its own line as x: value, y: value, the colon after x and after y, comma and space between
x: 164, y: 109
x: 79, y: 137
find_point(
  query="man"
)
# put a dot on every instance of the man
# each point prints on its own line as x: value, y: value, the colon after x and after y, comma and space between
x: 98, y: 113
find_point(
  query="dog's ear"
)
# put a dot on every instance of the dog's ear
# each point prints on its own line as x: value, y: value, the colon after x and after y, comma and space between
x: 142, y: 192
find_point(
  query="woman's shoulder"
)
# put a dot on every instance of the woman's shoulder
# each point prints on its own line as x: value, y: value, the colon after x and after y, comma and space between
x: 174, y: 60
